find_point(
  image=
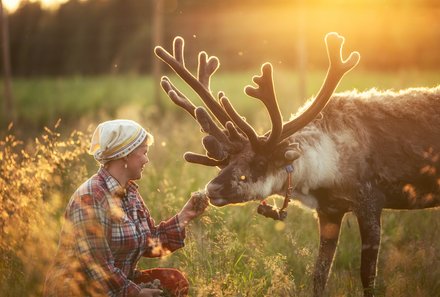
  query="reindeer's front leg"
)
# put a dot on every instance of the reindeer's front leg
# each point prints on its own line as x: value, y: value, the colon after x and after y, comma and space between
x: 329, y: 227
x: 369, y: 221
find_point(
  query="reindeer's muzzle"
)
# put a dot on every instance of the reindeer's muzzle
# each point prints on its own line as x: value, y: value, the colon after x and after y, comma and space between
x: 219, y: 195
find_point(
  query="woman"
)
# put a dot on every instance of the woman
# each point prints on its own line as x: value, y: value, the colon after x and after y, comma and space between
x: 108, y: 227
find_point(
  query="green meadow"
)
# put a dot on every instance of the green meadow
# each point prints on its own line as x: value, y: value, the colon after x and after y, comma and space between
x: 230, y: 251
x: 42, y: 101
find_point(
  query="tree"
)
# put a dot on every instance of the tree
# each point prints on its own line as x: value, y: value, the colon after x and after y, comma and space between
x: 157, y: 32
x: 7, y: 77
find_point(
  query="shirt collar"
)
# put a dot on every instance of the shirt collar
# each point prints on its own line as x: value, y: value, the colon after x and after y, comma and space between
x: 113, y: 185
x: 132, y: 186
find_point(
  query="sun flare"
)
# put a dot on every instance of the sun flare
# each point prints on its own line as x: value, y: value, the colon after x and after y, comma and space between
x: 12, y: 5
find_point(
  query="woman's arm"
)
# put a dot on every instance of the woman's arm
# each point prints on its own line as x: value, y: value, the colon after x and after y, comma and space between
x: 169, y: 235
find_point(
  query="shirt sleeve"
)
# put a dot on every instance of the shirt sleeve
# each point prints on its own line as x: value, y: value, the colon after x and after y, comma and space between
x: 91, y: 223
x: 166, y: 237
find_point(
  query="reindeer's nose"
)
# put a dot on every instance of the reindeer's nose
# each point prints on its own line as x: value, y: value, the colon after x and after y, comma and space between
x: 214, y: 189
x: 215, y: 193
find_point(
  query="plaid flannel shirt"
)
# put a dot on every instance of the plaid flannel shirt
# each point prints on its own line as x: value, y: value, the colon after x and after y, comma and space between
x: 107, y: 231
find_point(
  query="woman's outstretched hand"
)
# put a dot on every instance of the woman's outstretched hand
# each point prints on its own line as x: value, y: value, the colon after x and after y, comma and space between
x: 195, y: 206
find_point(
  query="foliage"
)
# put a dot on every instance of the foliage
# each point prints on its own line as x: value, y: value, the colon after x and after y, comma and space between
x: 34, y: 182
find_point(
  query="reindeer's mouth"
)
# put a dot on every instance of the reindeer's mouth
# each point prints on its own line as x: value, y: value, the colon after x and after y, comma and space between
x: 218, y: 201
x: 224, y: 200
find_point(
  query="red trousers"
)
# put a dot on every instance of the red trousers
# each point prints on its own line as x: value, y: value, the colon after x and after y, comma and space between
x: 171, y: 279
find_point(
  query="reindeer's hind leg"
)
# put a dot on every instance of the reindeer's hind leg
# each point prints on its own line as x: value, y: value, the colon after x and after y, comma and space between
x: 369, y: 220
x: 329, y: 227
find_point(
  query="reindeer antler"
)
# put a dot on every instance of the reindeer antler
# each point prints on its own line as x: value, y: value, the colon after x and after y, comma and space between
x: 337, y: 68
x: 266, y: 93
x: 218, y: 144
x: 201, y: 85
x: 221, y: 142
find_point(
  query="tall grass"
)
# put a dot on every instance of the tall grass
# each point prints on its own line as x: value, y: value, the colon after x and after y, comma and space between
x: 230, y: 251
x: 34, y: 182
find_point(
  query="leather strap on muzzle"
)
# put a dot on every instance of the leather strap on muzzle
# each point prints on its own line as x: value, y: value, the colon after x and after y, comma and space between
x: 273, y: 212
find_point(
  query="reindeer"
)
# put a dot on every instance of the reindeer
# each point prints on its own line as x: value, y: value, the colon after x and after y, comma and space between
x: 359, y: 152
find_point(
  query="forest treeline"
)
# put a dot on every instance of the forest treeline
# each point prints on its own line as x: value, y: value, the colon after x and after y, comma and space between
x: 114, y: 36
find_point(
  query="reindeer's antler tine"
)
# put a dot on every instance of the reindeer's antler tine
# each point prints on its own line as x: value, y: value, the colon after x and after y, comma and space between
x: 206, y: 69
x: 234, y: 135
x: 168, y: 58
x: 240, y: 122
x: 209, y: 126
x: 177, y: 97
x: 214, y: 148
x: 203, y: 160
x: 220, y: 95
x: 266, y: 93
x: 334, y: 44
x: 336, y: 71
x: 200, y: 114
x: 178, y: 47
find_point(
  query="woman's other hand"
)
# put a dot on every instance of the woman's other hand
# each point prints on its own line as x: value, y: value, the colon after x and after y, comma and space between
x: 195, y: 206
x: 150, y: 293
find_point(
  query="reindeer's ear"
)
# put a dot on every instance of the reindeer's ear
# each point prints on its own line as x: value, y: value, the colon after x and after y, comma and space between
x: 291, y: 155
x: 286, y: 153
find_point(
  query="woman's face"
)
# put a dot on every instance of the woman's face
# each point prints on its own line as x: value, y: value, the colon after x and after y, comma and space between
x: 136, y: 162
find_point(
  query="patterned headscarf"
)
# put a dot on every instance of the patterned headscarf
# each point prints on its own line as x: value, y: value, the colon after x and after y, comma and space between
x: 116, y: 139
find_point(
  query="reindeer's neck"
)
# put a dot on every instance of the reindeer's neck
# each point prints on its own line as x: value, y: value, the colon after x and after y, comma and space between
x: 317, y: 167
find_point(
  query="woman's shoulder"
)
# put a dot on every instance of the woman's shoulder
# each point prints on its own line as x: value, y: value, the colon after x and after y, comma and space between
x: 92, y: 191
x: 88, y: 201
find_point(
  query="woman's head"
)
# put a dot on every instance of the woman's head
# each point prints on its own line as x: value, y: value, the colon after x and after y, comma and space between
x: 123, y: 142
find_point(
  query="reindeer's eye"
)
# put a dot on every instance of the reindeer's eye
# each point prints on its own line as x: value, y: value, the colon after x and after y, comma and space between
x: 243, y: 178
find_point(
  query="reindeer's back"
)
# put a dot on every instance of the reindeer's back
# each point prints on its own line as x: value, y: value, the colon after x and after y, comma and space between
x: 398, y: 133
x: 393, y: 128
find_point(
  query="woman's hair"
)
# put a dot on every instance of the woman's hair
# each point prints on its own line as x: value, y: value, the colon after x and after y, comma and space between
x: 149, y: 139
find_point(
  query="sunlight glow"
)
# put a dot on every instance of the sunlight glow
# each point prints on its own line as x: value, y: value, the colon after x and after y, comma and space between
x: 12, y: 5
